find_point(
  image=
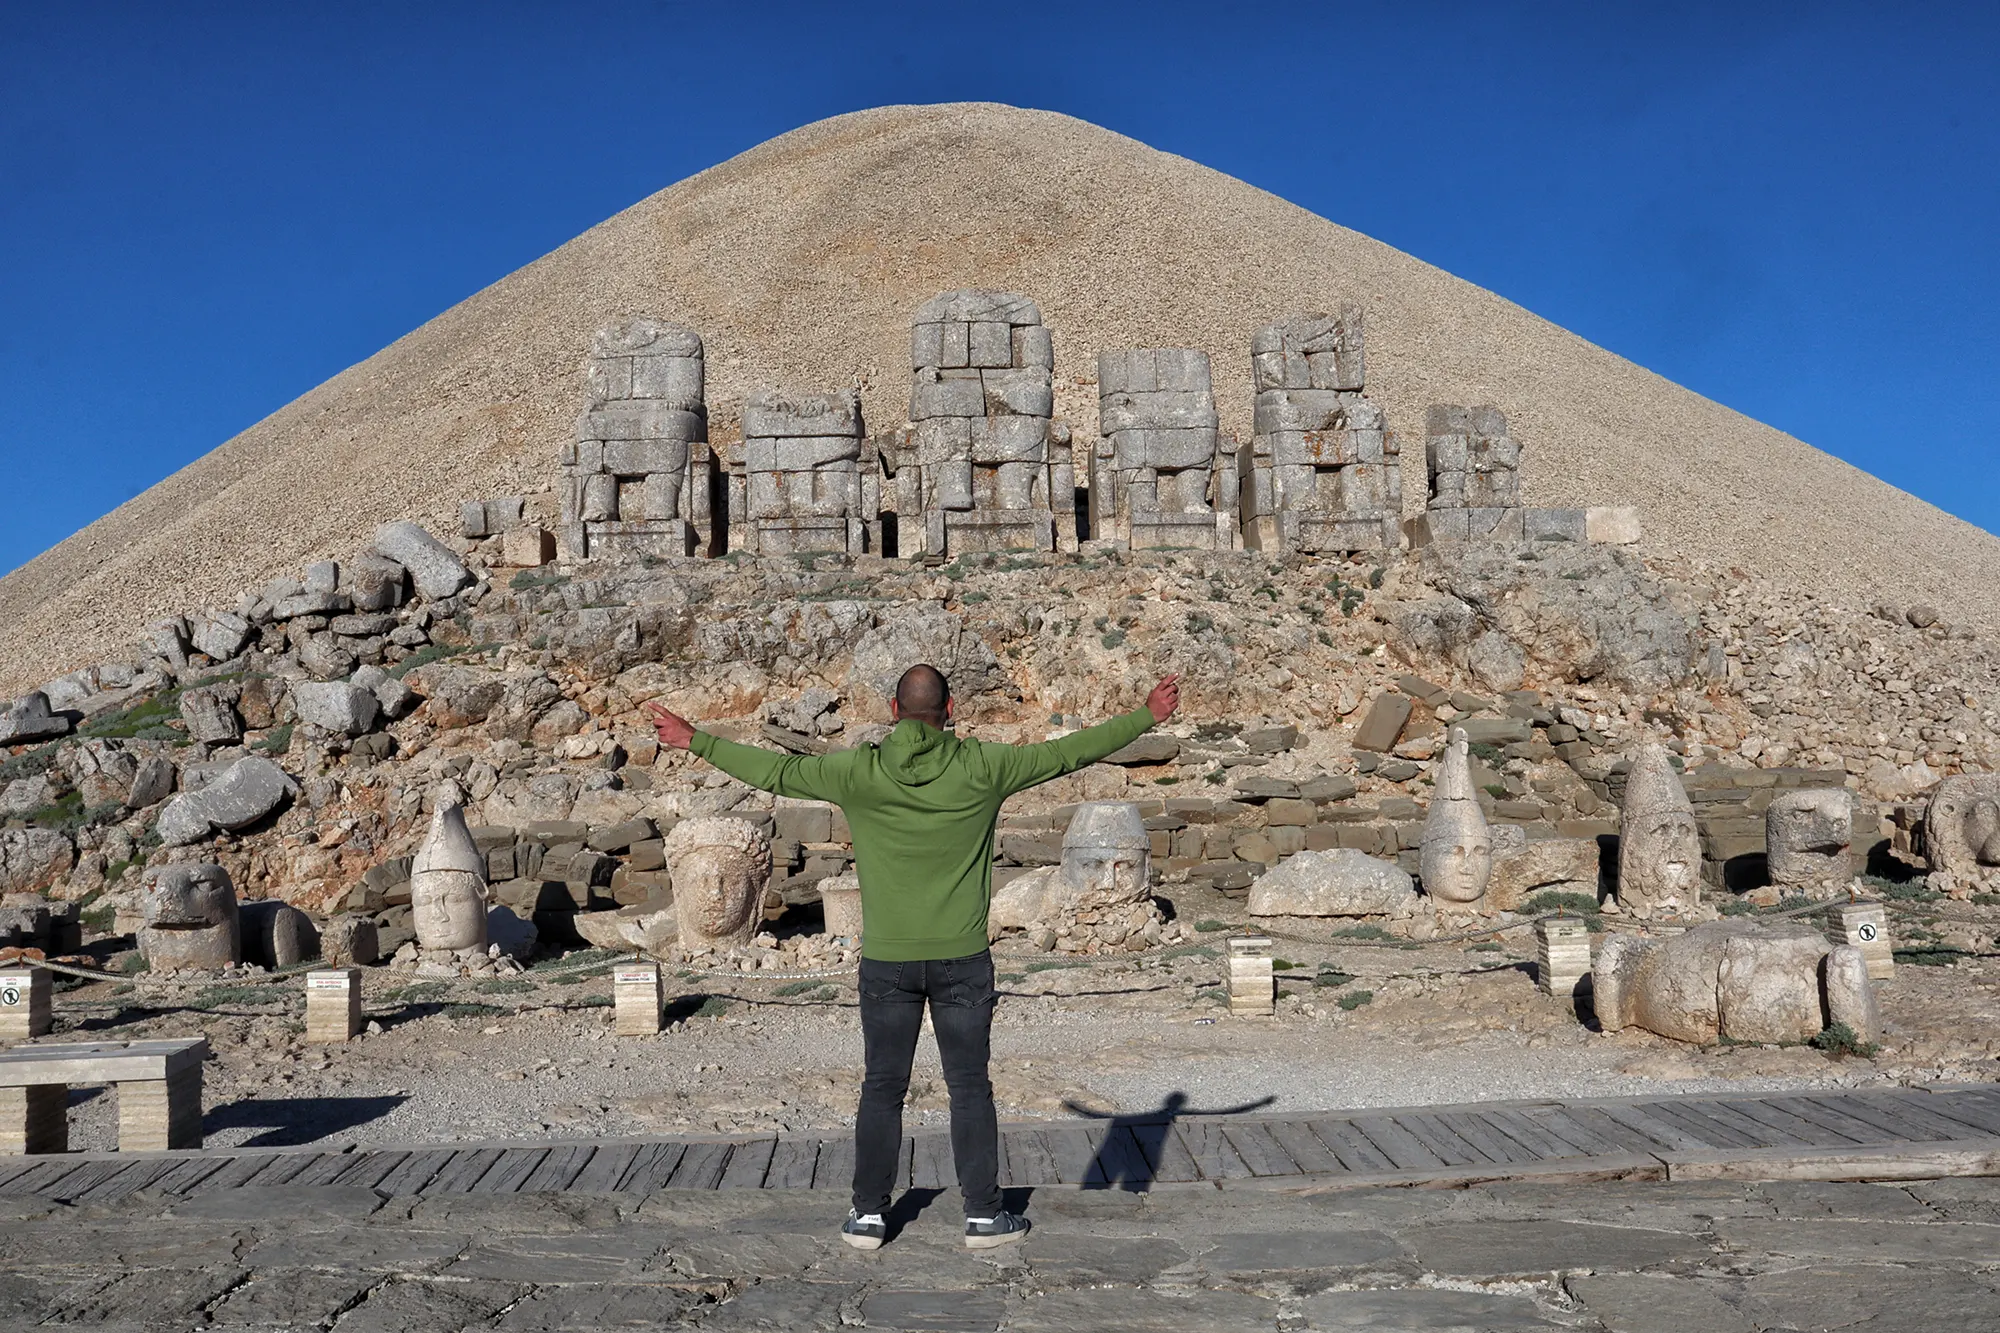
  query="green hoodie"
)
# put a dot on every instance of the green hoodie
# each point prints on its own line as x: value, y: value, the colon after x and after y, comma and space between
x: 922, y: 805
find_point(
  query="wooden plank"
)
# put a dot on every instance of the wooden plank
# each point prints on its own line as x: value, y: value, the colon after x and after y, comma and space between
x: 1211, y: 1150
x: 46, y: 1175
x: 1119, y: 1161
x: 1262, y: 1153
x: 835, y: 1168
x: 1568, y: 1170
x: 1818, y: 1136
x: 1708, y: 1132
x: 139, y: 1176
x: 607, y: 1166
x: 324, y: 1171
x: 1074, y: 1151
x: 368, y: 1169
x: 1167, y: 1158
x: 1757, y: 1127
x: 792, y: 1162
x: 414, y: 1172
x: 515, y: 1165
x: 232, y: 1172
x: 748, y: 1163
x: 931, y: 1166
x: 464, y: 1169
x: 1533, y: 1138
x: 558, y: 1168
x: 1029, y: 1161
x: 1715, y: 1122
x: 85, y: 1178
x: 1880, y: 1161
x: 1861, y: 1131
x: 1572, y: 1130
x: 1981, y: 1114
x: 194, y: 1173
x: 1397, y: 1143
x: 1300, y: 1144
x: 1917, y: 1121
x: 284, y: 1166
x: 1356, y: 1153
x: 652, y: 1166
x: 700, y: 1167
x: 1662, y: 1134
x: 14, y: 1168
x: 1608, y: 1130
x: 1442, y: 1143
x: 1492, y: 1145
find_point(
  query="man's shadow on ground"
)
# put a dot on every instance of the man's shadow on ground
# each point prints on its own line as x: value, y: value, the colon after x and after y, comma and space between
x: 1115, y: 1167
x: 291, y: 1121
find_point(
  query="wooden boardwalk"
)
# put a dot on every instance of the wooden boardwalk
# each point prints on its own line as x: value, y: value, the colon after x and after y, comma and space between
x: 1891, y: 1134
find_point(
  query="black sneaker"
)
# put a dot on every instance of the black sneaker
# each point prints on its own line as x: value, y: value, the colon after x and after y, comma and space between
x: 1001, y: 1229
x: 865, y: 1233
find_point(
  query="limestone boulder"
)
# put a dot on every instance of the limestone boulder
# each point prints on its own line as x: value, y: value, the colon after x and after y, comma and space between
x: 29, y: 719
x: 211, y: 717
x: 1564, y: 865
x: 372, y: 582
x: 460, y: 696
x: 221, y: 635
x: 242, y: 794
x: 1342, y: 882
x: 26, y: 795
x: 101, y: 771
x: 33, y: 859
x: 647, y: 929
x: 434, y: 569
x: 340, y: 707
x: 152, y: 782
x: 350, y: 940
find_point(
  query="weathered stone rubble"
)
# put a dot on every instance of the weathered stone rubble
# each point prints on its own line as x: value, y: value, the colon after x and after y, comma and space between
x: 1740, y: 980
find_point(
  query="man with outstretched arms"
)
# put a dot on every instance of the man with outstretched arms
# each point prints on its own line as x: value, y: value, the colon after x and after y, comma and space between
x: 923, y: 805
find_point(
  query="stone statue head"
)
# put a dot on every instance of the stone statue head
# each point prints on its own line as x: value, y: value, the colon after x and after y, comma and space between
x: 1659, y: 843
x: 719, y: 867
x: 1961, y: 830
x: 1806, y: 834
x: 1457, y: 843
x: 191, y: 919
x: 448, y: 883
x: 1107, y: 854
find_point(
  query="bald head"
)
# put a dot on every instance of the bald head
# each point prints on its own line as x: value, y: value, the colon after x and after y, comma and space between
x: 924, y: 694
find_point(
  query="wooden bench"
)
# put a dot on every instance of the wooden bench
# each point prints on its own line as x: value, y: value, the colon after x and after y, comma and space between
x: 159, y: 1092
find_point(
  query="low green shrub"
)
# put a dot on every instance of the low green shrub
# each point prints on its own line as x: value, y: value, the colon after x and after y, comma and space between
x: 1354, y: 999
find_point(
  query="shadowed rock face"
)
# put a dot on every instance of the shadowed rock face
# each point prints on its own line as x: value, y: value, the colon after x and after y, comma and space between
x: 191, y: 920
x: 720, y: 868
x: 1659, y: 844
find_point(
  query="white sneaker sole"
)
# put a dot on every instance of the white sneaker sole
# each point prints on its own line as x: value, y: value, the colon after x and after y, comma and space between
x: 862, y: 1242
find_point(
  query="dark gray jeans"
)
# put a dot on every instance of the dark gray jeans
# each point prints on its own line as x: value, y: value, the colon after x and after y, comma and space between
x: 960, y: 994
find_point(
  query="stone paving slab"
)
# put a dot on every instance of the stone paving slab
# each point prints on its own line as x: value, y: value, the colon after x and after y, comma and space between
x: 1721, y: 1257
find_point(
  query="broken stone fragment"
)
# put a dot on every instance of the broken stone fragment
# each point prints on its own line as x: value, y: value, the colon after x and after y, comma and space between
x: 30, y: 719
x: 1340, y: 882
x: 434, y: 569
x: 246, y: 792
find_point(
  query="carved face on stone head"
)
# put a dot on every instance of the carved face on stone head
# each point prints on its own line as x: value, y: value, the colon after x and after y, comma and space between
x: 719, y: 867
x: 1107, y: 854
x: 1458, y: 859
x: 1659, y: 843
x: 448, y: 883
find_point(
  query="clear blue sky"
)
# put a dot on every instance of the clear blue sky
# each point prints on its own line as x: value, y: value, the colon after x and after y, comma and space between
x: 205, y: 210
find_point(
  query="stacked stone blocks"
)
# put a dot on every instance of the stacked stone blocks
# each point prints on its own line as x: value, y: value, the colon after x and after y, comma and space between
x: 636, y: 481
x: 1160, y: 478
x: 977, y: 464
x: 1323, y: 474
x: 26, y: 1004
x: 1474, y: 468
x: 804, y: 486
x: 333, y: 1004
x: 636, y: 999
